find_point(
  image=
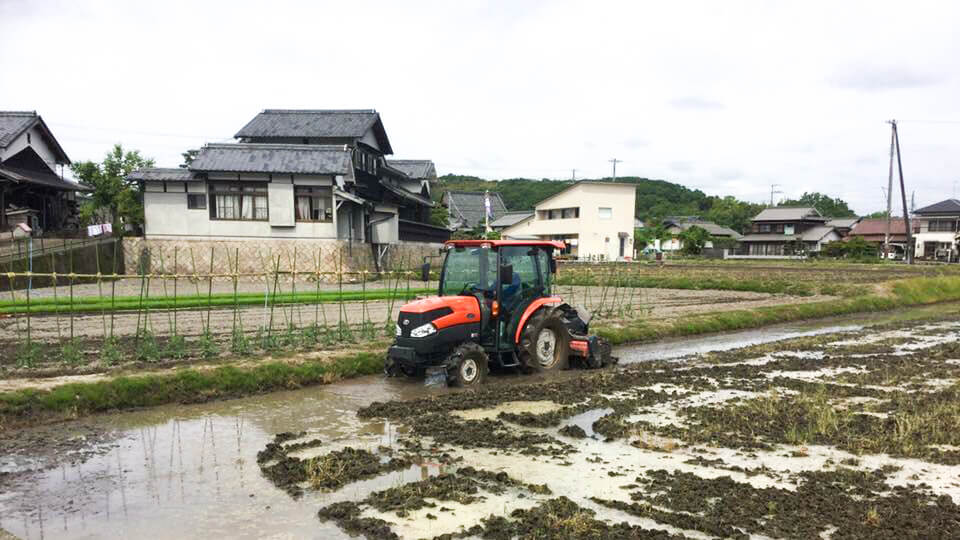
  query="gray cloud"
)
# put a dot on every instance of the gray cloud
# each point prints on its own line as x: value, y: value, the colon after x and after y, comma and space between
x: 694, y: 102
x: 868, y: 78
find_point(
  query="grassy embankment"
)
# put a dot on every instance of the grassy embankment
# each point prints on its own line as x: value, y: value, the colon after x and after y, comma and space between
x: 63, y: 304
x: 911, y: 292
x: 196, y: 385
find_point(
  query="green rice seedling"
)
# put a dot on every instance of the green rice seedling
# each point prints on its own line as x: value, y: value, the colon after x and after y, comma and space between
x: 208, y: 346
x: 148, y: 350
x: 28, y: 354
x: 176, y: 347
x: 110, y: 353
x: 71, y: 354
x: 239, y: 343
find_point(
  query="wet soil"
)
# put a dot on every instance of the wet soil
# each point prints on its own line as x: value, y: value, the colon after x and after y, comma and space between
x: 846, y: 435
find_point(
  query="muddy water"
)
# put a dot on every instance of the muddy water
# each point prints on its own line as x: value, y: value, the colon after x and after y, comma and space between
x: 191, y: 471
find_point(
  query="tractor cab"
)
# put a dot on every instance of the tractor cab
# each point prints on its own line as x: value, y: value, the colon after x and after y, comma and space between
x: 505, y: 278
x: 494, y: 306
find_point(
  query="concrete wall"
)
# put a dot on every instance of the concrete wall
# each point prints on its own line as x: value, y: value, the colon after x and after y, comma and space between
x: 194, y: 255
x: 596, y: 237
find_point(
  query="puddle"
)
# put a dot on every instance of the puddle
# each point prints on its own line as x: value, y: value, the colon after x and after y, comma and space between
x: 585, y: 420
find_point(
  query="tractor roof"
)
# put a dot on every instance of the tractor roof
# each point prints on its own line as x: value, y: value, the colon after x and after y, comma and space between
x: 498, y: 243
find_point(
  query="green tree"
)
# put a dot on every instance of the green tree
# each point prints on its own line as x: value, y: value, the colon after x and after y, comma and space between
x: 188, y: 157
x: 733, y: 213
x: 879, y: 214
x: 826, y: 205
x: 114, y: 197
x: 439, y: 216
x: 693, y: 240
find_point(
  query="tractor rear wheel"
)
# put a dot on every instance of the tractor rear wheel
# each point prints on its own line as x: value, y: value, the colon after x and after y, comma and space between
x: 468, y: 365
x: 544, y: 343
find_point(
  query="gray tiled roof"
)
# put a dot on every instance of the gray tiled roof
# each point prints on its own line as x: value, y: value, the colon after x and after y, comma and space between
x: 414, y: 168
x: 13, y: 123
x: 949, y: 206
x: 712, y: 228
x: 38, y: 178
x: 788, y: 214
x: 511, y: 218
x: 161, y: 174
x: 273, y: 158
x: 467, y: 207
x: 316, y: 123
x: 843, y: 223
x: 815, y: 234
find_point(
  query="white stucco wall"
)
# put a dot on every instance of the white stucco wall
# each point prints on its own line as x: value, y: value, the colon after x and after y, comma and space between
x: 596, y: 237
x: 166, y: 215
x: 39, y: 144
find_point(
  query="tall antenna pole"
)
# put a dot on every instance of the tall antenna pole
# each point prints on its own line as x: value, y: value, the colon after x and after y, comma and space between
x: 774, y: 191
x: 574, y: 175
x: 886, y: 237
x: 615, y: 161
x: 903, y: 195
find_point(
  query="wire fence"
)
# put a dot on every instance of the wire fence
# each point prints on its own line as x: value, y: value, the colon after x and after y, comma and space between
x: 185, y: 308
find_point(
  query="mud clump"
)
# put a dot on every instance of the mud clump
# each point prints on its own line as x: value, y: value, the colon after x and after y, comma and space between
x: 327, y: 472
x: 347, y: 516
x: 465, y: 486
x: 561, y: 518
x: 336, y: 469
x: 860, y: 504
x: 574, y: 431
x: 445, y: 429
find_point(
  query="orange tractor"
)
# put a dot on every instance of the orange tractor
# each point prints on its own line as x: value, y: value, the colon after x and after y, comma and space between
x: 494, y: 308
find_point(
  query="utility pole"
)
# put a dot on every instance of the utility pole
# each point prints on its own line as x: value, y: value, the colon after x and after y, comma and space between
x: 574, y: 175
x: 615, y: 161
x: 903, y: 194
x: 886, y: 236
x: 774, y: 191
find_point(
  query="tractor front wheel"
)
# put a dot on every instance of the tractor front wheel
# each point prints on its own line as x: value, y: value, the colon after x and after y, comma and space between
x: 468, y: 365
x: 544, y: 343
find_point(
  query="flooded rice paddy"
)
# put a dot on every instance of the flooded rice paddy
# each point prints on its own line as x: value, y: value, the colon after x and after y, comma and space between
x: 833, y: 432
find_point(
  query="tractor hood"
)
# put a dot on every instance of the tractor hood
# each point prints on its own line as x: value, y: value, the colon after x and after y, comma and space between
x: 442, y: 311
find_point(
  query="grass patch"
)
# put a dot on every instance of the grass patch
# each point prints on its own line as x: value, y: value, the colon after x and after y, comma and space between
x: 128, y: 303
x: 795, y: 288
x: 184, y: 386
x: 917, y: 291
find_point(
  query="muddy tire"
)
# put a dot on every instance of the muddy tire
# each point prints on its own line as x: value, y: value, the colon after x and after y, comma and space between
x: 468, y: 365
x: 544, y: 343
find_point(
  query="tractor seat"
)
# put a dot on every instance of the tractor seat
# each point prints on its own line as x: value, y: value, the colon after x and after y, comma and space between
x: 510, y: 291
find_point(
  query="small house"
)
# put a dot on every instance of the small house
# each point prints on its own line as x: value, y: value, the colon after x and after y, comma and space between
x: 936, y: 231
x: 594, y: 219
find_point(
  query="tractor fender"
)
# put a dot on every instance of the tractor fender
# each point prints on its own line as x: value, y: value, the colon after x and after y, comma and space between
x: 552, y: 301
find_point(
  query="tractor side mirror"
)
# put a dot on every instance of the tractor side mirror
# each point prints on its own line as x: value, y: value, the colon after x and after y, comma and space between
x: 506, y: 274
x: 425, y: 272
x: 553, y: 265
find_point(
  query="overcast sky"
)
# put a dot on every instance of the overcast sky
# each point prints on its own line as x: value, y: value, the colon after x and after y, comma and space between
x: 727, y: 97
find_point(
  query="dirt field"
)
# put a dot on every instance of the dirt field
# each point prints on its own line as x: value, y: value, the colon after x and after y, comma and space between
x: 839, y: 436
x: 626, y: 303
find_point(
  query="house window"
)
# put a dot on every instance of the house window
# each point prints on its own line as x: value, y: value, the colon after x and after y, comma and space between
x: 788, y: 229
x: 942, y: 225
x: 245, y: 201
x: 571, y: 213
x: 605, y: 212
x: 196, y: 201
x: 314, y: 203
x: 764, y: 227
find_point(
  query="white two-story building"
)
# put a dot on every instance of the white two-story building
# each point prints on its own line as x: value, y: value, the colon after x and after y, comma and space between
x: 594, y: 219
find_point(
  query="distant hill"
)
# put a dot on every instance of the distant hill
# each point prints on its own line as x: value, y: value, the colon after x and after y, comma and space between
x: 655, y: 198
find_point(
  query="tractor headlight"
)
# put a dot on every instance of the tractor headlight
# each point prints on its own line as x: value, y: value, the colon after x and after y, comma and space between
x: 396, y: 331
x: 423, y: 331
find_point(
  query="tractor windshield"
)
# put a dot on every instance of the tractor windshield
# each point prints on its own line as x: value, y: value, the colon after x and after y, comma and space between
x: 469, y: 268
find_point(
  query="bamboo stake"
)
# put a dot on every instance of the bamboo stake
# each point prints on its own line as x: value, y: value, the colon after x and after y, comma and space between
x: 53, y: 269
